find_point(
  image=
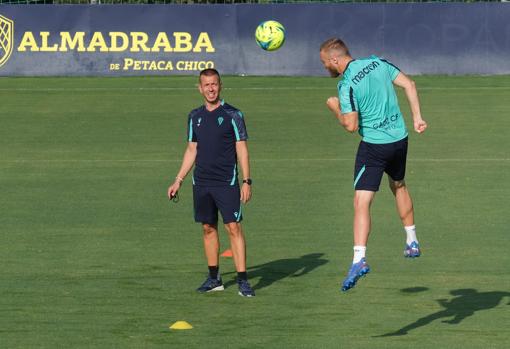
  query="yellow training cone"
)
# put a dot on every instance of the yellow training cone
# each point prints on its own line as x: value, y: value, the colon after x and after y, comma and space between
x: 181, y: 325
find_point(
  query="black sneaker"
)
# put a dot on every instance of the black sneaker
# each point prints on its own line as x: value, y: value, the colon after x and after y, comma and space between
x: 245, y: 289
x: 211, y: 285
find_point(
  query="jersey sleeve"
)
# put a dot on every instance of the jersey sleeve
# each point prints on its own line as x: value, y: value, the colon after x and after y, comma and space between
x: 239, y: 126
x: 348, y: 101
x: 192, y: 137
x: 392, y: 69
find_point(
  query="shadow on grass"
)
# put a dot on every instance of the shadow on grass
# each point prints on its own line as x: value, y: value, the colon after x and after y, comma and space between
x: 414, y: 289
x: 464, y: 304
x: 277, y: 270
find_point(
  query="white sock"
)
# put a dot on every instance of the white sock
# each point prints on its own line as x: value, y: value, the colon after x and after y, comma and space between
x: 411, y: 234
x: 359, y: 253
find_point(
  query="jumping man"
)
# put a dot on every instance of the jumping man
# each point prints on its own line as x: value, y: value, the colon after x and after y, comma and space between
x: 367, y: 103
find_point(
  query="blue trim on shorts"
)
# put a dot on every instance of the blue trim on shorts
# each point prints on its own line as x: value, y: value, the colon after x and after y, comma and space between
x: 359, y: 175
x: 240, y: 215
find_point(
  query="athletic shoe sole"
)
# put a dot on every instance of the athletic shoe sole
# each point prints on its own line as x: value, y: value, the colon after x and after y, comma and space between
x: 242, y: 295
x: 361, y: 273
x: 217, y: 288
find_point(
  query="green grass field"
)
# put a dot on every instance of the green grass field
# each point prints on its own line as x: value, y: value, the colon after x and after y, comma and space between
x: 93, y: 255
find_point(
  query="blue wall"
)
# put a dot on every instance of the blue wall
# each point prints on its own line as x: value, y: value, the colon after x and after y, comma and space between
x: 428, y: 38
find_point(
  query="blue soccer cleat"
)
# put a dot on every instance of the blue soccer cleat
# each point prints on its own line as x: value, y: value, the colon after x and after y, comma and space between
x: 413, y: 250
x: 211, y: 285
x: 357, y: 270
x: 245, y: 289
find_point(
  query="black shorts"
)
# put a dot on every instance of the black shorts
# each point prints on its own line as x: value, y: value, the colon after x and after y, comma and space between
x: 374, y: 159
x: 208, y: 200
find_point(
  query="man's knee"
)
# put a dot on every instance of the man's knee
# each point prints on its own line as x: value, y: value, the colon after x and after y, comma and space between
x: 234, y: 229
x: 396, y: 185
x: 363, y: 199
x: 209, y: 229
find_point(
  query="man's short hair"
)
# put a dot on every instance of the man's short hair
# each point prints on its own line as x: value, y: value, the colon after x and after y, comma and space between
x: 209, y: 72
x: 335, y: 44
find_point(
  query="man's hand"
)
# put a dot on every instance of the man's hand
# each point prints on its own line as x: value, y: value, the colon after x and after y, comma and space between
x: 173, y: 189
x: 334, y: 105
x: 245, y: 193
x: 420, y: 125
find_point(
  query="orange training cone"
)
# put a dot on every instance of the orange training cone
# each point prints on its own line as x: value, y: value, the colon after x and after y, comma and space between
x: 227, y: 253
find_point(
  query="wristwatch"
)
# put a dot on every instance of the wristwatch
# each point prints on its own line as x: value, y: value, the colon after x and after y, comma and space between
x: 247, y: 181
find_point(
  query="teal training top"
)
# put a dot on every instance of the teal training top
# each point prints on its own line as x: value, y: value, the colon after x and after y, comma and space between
x: 367, y: 87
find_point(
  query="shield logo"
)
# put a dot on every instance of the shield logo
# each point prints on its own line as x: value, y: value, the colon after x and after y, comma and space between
x: 6, y: 38
x: 220, y: 121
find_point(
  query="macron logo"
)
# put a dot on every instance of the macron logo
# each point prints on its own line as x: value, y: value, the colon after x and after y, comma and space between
x: 364, y: 72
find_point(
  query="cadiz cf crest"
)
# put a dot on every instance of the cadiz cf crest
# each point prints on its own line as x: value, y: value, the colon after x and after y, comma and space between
x: 6, y: 35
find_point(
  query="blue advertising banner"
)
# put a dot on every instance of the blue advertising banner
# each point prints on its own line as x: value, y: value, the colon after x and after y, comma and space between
x: 116, y: 40
x: 427, y: 38
x: 109, y: 40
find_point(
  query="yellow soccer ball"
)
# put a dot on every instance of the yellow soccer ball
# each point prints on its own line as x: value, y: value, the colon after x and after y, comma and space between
x: 270, y: 35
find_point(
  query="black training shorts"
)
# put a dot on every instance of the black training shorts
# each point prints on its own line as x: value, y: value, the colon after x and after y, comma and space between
x: 209, y: 199
x: 372, y: 160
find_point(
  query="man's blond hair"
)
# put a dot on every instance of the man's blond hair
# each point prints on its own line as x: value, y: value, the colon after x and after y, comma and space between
x: 335, y: 44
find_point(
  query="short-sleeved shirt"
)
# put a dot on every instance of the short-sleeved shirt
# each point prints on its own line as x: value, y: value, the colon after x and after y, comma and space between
x: 216, y: 133
x: 367, y: 87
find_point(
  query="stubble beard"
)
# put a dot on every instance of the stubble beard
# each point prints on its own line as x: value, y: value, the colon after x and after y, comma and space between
x: 333, y: 73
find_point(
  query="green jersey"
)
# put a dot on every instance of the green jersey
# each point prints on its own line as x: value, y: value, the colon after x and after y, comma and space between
x: 367, y: 87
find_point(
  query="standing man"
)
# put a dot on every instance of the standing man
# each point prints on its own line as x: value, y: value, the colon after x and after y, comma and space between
x: 368, y: 104
x: 216, y: 141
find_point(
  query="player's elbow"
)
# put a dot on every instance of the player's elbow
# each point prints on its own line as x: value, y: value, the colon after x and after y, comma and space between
x: 349, y: 125
x: 351, y: 128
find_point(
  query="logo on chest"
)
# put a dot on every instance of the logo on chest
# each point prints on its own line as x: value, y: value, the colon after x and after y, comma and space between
x: 199, y: 121
x: 220, y: 120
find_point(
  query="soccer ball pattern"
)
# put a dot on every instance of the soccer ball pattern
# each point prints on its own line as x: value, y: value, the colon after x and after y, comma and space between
x: 270, y: 35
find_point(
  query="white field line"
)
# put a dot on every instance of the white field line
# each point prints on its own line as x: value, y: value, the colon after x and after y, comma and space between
x: 283, y: 88
x: 252, y: 160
